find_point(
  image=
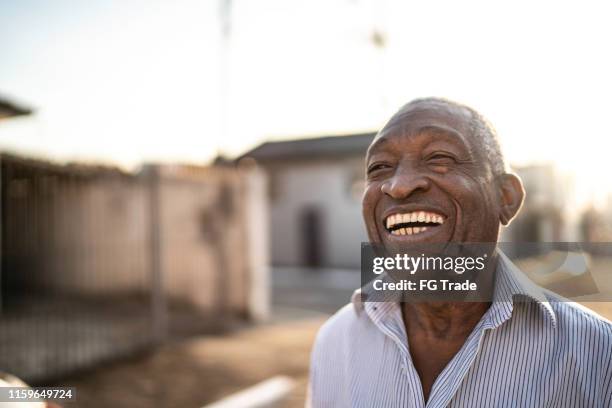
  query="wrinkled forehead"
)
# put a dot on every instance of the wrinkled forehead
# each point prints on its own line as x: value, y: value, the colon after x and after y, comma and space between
x: 450, y: 121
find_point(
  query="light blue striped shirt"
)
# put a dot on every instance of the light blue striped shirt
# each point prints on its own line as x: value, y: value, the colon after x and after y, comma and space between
x: 531, y: 348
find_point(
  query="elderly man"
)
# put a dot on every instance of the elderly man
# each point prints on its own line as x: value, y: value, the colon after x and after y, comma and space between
x: 525, y: 347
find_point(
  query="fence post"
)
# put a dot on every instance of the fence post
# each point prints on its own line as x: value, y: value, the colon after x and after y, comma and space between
x: 1, y: 235
x: 159, y: 311
x: 257, y: 233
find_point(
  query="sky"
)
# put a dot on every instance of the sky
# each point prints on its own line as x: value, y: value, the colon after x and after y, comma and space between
x: 129, y: 82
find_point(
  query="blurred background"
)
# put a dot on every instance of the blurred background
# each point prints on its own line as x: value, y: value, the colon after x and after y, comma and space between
x: 181, y: 181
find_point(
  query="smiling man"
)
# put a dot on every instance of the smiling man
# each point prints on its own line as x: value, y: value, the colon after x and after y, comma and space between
x: 435, y: 174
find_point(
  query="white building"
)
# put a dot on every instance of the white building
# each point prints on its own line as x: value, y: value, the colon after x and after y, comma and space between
x: 315, y: 188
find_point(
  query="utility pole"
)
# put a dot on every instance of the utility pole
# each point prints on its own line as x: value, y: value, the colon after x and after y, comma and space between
x: 225, y: 20
x: 378, y: 38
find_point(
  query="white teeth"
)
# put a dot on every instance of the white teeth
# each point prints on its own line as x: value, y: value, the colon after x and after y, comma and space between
x: 415, y: 216
x: 402, y: 231
x: 416, y: 230
x: 408, y: 231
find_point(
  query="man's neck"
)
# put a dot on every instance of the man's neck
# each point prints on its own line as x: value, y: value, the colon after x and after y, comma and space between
x: 443, y: 320
x: 436, y: 332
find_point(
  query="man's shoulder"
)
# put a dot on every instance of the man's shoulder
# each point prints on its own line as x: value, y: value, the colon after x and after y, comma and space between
x: 572, y: 316
x: 339, y: 323
x: 341, y: 326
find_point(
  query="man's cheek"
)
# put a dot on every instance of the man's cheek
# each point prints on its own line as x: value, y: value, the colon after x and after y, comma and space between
x: 474, y: 207
x: 479, y: 208
x: 371, y: 196
x: 471, y: 195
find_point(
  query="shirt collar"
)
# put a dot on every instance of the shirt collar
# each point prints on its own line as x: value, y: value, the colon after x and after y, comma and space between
x: 511, y: 286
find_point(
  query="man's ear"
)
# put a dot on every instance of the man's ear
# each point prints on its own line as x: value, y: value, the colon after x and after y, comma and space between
x: 511, y: 196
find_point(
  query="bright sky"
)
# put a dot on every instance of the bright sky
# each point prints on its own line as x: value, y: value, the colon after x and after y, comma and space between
x: 144, y: 80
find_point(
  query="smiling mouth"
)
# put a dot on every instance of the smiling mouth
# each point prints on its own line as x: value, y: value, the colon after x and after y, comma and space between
x: 412, y: 223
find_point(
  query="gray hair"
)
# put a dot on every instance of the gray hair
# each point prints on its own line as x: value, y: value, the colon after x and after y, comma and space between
x: 482, y: 130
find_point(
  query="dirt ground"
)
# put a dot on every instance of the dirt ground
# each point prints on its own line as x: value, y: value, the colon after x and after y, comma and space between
x: 201, y: 370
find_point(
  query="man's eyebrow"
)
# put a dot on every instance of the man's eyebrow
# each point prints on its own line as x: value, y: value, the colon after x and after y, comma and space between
x: 378, y: 142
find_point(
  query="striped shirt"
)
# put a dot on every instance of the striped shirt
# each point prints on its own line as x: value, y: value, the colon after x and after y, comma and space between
x: 531, y: 348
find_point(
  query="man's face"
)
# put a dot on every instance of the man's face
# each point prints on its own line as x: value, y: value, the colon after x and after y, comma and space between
x: 428, y: 181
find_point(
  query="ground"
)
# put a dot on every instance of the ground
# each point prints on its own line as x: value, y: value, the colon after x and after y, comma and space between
x: 195, y: 372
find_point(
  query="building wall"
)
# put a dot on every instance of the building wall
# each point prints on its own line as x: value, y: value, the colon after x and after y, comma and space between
x: 97, y: 239
x: 333, y: 187
x: 204, y: 237
x: 62, y: 232
x: 101, y: 233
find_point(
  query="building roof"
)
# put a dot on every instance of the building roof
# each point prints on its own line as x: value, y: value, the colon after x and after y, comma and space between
x: 9, y: 109
x: 327, y: 146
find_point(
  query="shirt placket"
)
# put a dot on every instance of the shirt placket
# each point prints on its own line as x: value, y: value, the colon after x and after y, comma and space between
x: 449, y: 380
x: 392, y: 325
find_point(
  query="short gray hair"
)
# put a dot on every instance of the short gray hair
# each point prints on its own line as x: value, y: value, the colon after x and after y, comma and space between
x: 481, y: 129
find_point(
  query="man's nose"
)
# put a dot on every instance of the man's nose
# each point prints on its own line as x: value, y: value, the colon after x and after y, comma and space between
x: 403, y: 184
